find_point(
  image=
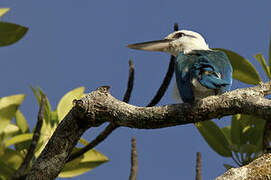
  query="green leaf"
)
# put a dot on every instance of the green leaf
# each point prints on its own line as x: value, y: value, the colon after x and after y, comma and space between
x: 214, y: 137
x: 10, y: 130
x: 227, y: 133
x: 236, y: 129
x: 11, y: 158
x: 46, y: 132
x: 256, y: 136
x: 18, y: 139
x: 11, y: 33
x: 36, y: 94
x: 54, y: 117
x: 251, y: 129
x: 261, y: 60
x: 40, y: 146
x: 243, y: 70
x: 65, y: 104
x: 8, y: 108
x: 84, y: 163
x: 5, y: 171
x: 3, y: 11
x: 83, y: 141
x: 247, y: 148
x: 228, y: 166
x: 21, y: 122
x: 23, y: 146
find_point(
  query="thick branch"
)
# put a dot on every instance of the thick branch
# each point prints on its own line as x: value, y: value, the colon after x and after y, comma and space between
x: 103, y: 107
x: 53, y: 157
x: 99, y: 106
x: 258, y: 169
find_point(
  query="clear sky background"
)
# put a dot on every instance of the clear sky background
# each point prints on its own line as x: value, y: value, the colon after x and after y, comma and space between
x: 82, y: 43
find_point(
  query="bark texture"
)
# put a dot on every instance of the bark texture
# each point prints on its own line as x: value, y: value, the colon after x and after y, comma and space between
x: 257, y: 169
x: 99, y: 106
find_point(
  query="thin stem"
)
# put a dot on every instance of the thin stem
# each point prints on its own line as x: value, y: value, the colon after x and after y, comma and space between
x: 198, y: 167
x: 134, y: 161
x: 164, y: 86
x: 20, y: 173
x: 102, y: 136
x: 130, y: 83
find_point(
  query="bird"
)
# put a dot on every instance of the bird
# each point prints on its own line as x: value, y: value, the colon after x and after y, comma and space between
x: 199, y: 70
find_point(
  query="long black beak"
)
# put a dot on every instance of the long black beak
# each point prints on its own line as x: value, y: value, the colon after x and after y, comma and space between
x: 159, y: 45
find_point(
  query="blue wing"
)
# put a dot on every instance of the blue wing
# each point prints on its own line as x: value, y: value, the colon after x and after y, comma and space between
x: 208, y: 74
x: 211, y: 69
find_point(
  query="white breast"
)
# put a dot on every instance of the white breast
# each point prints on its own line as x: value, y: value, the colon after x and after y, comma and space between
x: 201, y: 91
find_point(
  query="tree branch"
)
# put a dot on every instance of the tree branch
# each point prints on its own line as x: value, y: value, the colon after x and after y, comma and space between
x: 99, y: 107
x: 134, y: 161
x: 258, y: 169
x: 54, y: 155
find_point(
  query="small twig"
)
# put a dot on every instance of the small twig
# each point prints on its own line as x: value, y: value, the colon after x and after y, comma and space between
x: 198, y: 167
x: 176, y: 27
x: 111, y: 127
x: 102, y: 136
x: 20, y: 173
x: 134, y: 161
x: 161, y: 91
x: 130, y: 83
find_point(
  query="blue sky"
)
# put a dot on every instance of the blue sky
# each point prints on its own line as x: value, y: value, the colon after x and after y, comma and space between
x: 82, y: 43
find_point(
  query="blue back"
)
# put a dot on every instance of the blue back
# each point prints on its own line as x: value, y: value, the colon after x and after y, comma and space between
x: 211, y: 69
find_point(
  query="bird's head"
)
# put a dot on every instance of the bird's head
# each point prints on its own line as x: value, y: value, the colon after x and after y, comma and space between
x: 176, y: 42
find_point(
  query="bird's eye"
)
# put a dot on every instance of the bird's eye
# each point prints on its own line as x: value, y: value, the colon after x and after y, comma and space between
x: 178, y: 35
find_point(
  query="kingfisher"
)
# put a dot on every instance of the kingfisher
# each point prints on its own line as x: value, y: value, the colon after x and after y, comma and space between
x: 199, y: 70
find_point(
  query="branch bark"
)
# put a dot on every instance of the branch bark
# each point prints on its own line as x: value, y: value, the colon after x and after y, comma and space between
x: 198, y: 167
x: 134, y: 161
x: 258, y: 169
x: 99, y: 107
